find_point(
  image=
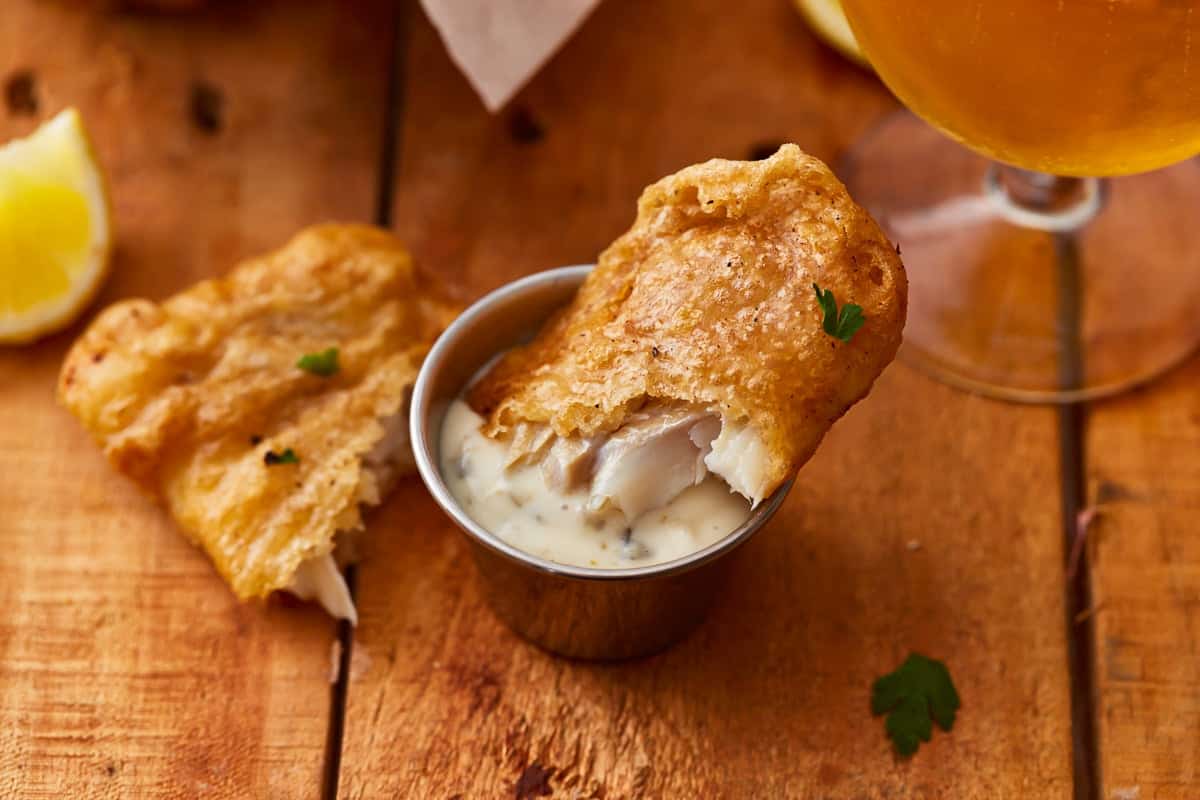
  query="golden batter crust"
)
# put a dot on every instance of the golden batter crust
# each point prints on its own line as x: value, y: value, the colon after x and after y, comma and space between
x: 708, y: 301
x: 188, y: 396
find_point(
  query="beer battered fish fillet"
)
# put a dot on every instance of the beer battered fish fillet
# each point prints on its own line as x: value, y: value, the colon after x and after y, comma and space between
x: 199, y: 399
x: 697, y: 343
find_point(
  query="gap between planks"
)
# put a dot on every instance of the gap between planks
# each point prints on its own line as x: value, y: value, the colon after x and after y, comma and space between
x: 393, y: 109
x: 1077, y: 589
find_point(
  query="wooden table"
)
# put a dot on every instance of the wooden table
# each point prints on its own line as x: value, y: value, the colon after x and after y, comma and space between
x: 930, y: 520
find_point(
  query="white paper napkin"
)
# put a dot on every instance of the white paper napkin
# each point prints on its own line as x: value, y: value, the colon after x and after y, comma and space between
x: 500, y: 44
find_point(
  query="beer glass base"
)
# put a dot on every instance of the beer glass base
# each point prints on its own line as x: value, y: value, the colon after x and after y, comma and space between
x: 1054, y: 305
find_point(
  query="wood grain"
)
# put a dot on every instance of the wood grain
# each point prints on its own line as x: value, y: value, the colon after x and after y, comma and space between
x: 1144, y: 476
x: 928, y: 521
x: 126, y: 667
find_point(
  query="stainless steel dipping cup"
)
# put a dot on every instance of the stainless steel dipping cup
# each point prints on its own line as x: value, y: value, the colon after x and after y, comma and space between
x: 579, y: 612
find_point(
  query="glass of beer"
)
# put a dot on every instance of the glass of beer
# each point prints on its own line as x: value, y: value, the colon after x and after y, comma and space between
x: 1034, y: 277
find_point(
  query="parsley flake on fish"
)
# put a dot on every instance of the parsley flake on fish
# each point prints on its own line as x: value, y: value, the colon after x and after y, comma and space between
x: 839, y: 327
x: 919, y: 689
x: 271, y: 458
x: 324, y: 363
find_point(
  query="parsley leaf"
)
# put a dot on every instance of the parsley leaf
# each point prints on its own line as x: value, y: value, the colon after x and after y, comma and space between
x: 271, y: 458
x: 839, y: 327
x: 919, y: 689
x: 324, y: 363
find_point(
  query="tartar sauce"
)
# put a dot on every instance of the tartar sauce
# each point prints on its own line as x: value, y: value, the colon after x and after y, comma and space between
x: 516, y: 505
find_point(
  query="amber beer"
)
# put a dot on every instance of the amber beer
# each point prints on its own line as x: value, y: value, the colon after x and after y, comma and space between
x: 1071, y: 87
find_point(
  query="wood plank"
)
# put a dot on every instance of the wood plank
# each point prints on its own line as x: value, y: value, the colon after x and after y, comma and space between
x: 126, y: 667
x: 1144, y: 478
x: 770, y: 697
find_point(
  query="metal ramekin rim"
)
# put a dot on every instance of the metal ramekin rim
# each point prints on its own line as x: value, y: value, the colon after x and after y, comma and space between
x: 431, y: 474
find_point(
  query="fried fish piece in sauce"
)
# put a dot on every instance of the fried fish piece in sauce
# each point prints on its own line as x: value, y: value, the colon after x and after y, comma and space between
x: 697, y: 344
x: 199, y: 398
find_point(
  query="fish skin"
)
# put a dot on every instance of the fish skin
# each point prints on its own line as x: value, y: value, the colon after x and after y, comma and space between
x: 187, y: 396
x: 707, y: 302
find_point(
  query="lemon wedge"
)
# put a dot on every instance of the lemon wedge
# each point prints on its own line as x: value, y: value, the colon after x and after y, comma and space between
x: 828, y: 21
x: 54, y: 229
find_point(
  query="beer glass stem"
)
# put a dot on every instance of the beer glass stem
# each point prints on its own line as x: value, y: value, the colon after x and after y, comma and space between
x: 1028, y: 286
x: 1042, y: 201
